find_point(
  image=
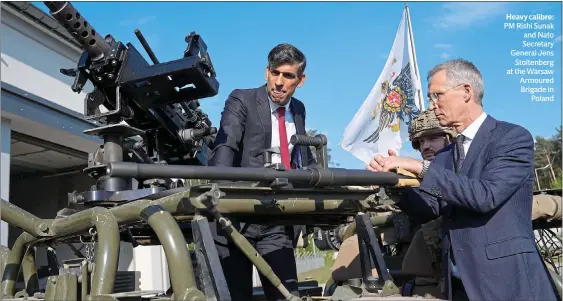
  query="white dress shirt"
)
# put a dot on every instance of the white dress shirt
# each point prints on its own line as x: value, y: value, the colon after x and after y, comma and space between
x: 289, y: 126
x: 470, y: 132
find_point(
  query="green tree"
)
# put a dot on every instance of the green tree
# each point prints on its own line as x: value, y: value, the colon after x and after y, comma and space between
x: 547, y: 161
x: 557, y: 183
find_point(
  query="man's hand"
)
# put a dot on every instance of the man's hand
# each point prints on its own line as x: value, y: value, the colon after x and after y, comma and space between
x: 380, y: 163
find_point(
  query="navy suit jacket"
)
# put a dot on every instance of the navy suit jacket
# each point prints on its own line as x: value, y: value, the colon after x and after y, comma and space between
x: 486, y: 213
x: 246, y: 130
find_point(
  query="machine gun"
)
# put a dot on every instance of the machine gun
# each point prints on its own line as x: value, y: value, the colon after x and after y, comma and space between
x: 159, y: 103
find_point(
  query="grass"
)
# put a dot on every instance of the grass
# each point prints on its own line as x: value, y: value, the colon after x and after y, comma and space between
x: 321, y: 275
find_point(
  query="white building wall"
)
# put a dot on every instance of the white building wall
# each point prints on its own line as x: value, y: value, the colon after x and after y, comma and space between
x: 4, y: 175
x: 31, y: 59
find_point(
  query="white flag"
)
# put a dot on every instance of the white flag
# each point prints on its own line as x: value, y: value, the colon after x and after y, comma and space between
x: 382, y: 121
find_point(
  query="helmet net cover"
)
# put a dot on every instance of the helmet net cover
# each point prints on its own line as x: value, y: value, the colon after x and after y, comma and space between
x: 426, y: 124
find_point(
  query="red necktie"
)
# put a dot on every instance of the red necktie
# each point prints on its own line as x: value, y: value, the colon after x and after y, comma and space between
x: 283, y: 138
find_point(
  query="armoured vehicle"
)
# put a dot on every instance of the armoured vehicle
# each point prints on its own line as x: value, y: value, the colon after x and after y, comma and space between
x: 155, y: 133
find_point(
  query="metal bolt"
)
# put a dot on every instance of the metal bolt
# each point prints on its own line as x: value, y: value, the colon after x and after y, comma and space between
x: 43, y: 228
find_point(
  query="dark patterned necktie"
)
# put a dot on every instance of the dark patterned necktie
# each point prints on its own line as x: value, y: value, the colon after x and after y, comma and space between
x: 459, y: 153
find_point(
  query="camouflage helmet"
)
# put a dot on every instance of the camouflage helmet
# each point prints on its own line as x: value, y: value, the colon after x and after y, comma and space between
x: 426, y: 124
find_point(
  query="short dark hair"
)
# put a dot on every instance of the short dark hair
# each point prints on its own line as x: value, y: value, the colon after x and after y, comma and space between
x: 286, y: 54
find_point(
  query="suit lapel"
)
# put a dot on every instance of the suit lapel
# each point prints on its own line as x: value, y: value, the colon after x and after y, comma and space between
x: 478, y: 143
x: 297, y: 118
x: 264, y: 113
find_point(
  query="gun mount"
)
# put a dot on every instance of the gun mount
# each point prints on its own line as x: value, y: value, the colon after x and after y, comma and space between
x: 158, y: 103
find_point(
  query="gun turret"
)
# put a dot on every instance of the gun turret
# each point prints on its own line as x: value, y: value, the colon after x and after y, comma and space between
x: 157, y: 102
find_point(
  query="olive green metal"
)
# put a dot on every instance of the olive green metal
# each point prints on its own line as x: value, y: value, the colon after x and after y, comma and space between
x: 177, y: 203
x: 241, y: 190
x: 209, y: 200
x: 4, y: 255
x: 390, y: 289
x: 21, y: 295
x: 136, y: 295
x: 170, y: 236
x: 376, y: 220
x: 30, y: 277
x: 240, y: 200
x: 176, y: 249
x: 17, y: 217
x: 13, y: 265
x: 347, y: 291
x: 258, y: 261
x: 107, y: 251
x: 85, y: 278
x: 292, y: 206
x: 186, y: 202
x: 62, y: 288
x: 265, y: 200
x: 106, y: 298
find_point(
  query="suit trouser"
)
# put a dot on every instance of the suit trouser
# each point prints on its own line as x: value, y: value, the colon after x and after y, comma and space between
x: 273, y: 243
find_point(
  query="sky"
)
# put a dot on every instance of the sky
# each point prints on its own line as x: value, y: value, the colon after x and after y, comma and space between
x: 346, y: 45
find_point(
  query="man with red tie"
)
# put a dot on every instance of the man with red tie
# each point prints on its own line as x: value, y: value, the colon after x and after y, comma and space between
x: 252, y: 121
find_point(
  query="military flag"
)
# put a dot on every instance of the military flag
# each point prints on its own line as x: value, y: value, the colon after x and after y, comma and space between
x: 382, y: 121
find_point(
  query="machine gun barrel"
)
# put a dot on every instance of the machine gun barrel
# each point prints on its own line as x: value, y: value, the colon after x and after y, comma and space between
x: 315, y: 177
x: 79, y: 28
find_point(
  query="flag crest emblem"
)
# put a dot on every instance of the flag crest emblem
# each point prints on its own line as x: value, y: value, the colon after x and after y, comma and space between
x: 398, y: 104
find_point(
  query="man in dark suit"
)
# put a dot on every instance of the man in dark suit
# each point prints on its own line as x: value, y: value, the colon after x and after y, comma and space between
x: 254, y: 120
x: 482, y: 187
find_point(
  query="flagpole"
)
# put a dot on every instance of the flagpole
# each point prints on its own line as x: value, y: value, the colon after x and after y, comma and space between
x: 411, y: 42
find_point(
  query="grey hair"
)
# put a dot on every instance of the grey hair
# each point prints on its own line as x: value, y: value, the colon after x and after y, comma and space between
x: 460, y: 71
